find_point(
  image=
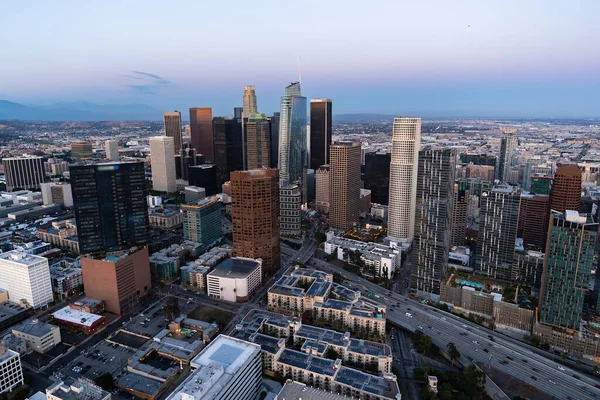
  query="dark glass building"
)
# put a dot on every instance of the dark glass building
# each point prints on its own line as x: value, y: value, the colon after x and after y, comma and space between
x: 478, y: 159
x: 202, y: 132
x: 275, y: 140
x: 376, y: 176
x: 204, y: 176
x: 229, y: 151
x: 110, y: 206
x: 320, y: 132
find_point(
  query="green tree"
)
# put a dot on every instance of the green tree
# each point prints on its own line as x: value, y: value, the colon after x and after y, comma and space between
x: 171, y: 309
x: 453, y: 352
x: 445, y: 391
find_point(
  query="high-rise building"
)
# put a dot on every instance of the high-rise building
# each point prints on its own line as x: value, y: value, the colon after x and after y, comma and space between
x: 292, y: 135
x: 81, y: 150
x: 237, y: 112
x: 344, y: 178
x: 508, y: 144
x: 499, y: 218
x: 201, y: 129
x: 534, y: 215
x: 433, y: 224
x: 23, y: 172
x: 162, y: 156
x: 483, y: 172
x: 173, y: 129
x: 255, y: 216
x: 119, y: 279
x: 567, y: 269
x: 57, y: 193
x: 320, y: 132
x: 275, y: 140
x: 11, y: 371
x: 249, y: 102
x: 111, y: 149
x: 566, y: 189
x: 541, y: 184
x: 377, y: 176
x: 459, y: 214
x: 406, y: 141
x: 528, y: 171
x: 322, y: 189
x: 204, y: 176
x: 26, y: 278
x: 258, y: 142
x: 110, y: 206
x: 478, y: 159
x: 228, y: 147
x: 202, y: 222
x: 290, y: 203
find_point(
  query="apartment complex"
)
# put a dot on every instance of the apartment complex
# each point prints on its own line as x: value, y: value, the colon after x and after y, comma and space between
x: 62, y: 234
x: 202, y: 222
x: 290, y: 203
x: 26, y: 278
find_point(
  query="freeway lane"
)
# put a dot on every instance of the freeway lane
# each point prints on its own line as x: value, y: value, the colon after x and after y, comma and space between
x: 536, y: 370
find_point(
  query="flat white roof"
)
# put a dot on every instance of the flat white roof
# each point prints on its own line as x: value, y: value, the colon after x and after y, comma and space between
x: 22, y: 258
x: 76, y: 316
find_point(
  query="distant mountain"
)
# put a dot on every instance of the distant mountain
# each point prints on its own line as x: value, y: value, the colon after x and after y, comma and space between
x: 364, y: 117
x: 78, y: 111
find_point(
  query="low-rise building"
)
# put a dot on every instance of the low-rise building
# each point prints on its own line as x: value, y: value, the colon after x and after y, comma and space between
x: 26, y: 278
x: 39, y: 336
x: 165, y: 264
x: 88, y: 322
x: 194, y: 275
x: 165, y: 218
x: 76, y: 389
x: 235, y: 279
x: 292, y: 390
x: 11, y: 372
x: 67, y: 279
x: 215, y: 255
x: 61, y: 234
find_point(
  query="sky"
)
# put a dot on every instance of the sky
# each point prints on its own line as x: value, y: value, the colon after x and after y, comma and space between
x: 509, y: 58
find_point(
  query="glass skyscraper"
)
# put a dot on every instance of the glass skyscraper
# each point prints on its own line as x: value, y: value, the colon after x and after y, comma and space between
x: 292, y: 135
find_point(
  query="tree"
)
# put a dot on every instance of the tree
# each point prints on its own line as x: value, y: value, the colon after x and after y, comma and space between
x: 545, y: 346
x: 445, y: 391
x: 453, y: 352
x: 105, y: 381
x: 596, y: 369
x: 320, y: 237
x: 171, y: 309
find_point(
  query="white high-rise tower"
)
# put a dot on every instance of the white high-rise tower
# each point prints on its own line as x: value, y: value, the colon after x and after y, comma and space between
x: 162, y: 156
x: 406, y: 141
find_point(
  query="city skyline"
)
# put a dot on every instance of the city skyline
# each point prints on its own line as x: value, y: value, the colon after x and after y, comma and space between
x: 471, y: 60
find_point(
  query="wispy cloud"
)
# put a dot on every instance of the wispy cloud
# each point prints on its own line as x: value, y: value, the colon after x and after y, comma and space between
x: 150, y: 84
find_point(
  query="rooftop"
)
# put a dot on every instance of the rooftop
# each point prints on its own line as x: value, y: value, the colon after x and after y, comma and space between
x: 76, y: 316
x: 80, y: 389
x: 235, y: 267
x: 6, y: 354
x: 368, y: 383
x: 19, y: 257
x: 139, y: 383
x: 34, y: 328
x: 297, y: 391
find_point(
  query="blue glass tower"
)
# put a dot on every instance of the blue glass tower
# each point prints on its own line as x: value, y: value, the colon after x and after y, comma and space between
x: 292, y: 135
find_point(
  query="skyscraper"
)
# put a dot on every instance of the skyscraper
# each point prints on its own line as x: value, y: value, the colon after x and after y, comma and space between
x: 508, y: 143
x: 162, y: 156
x: 292, y: 135
x: 534, y: 215
x: 406, y: 141
x: 258, y: 142
x: 202, y: 222
x: 237, y: 112
x: 320, y: 132
x: 228, y: 147
x: 201, y: 128
x: 173, y: 128
x: 255, y: 216
x: 459, y: 214
x: 249, y: 102
x: 23, y: 172
x: 499, y: 218
x: 377, y: 176
x: 567, y: 269
x: 275, y: 140
x: 204, y: 176
x: 111, y: 148
x: 566, y: 189
x: 322, y: 189
x: 110, y: 206
x: 81, y: 150
x: 344, y: 181
x: 433, y: 224
x: 290, y: 218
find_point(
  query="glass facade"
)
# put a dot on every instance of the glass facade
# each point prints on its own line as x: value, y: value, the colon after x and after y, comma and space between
x: 292, y: 135
x: 228, y: 148
x: 320, y: 132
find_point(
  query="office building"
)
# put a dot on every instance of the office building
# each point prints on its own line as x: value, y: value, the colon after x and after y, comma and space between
x: 528, y: 171
x: 258, y: 142
x: 499, y: 218
x: 237, y: 112
x: 290, y: 218
x: 201, y: 129
x: 344, y: 192
x: 534, y: 214
x: 57, y: 193
x: 162, y: 156
x: 39, y: 336
x: 11, y: 372
x: 322, y: 189
x: 406, y: 141
x: 483, y: 172
x: 119, y: 279
x: 567, y: 269
x: 478, y: 159
x: 541, y: 184
x: 76, y: 389
x: 56, y: 168
x: 173, y: 129
x: 26, y: 278
x: 459, y: 214
x: 204, y: 176
x: 566, y: 189
x: 255, y: 216
x: 227, y: 368
x: 320, y: 132
x: 508, y: 144
x: 81, y: 150
x: 202, y: 222
x: 111, y: 149
x: 433, y: 219
x: 23, y: 172
x: 275, y: 140
x: 110, y: 206
x: 249, y: 102
x: 194, y: 194
x: 229, y: 147
x: 377, y: 176
x: 235, y: 279
x: 292, y: 135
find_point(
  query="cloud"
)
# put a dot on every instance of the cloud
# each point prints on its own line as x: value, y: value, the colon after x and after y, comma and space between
x: 151, y: 82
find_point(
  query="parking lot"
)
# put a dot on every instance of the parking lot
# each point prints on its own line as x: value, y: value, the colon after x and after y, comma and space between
x: 153, y: 320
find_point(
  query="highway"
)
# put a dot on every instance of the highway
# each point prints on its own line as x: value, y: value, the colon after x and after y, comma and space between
x: 479, y: 344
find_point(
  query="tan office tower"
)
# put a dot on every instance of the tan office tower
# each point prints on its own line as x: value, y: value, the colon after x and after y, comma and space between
x: 255, y: 216
x: 258, y: 141
x: 173, y: 128
x: 322, y: 189
x: 566, y: 189
x: 162, y: 158
x: 344, y: 192
x: 406, y: 141
x: 81, y: 150
x: 201, y: 130
x: 249, y: 102
x: 111, y: 148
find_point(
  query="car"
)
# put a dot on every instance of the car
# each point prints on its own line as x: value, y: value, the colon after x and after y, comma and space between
x: 464, y: 326
x: 430, y: 327
x: 420, y: 327
x: 534, y: 378
x: 560, y: 368
x: 551, y: 381
x: 486, y: 350
x: 509, y: 358
x: 475, y: 341
x: 443, y: 318
x: 525, y: 361
x: 534, y: 369
x: 576, y: 377
x: 504, y: 362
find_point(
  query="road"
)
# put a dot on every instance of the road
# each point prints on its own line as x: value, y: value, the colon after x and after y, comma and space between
x: 481, y: 345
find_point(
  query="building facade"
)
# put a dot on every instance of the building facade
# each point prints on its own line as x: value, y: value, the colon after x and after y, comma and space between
x: 57, y: 193
x: 172, y: 121
x: 111, y: 149
x: 162, y: 156
x: 39, y: 336
x: 292, y: 135
x: 26, y: 278
x: 344, y: 181
x: 81, y: 150
x: 377, y: 176
x: 235, y: 279
x: 249, y: 102
x: 202, y: 222
x: 11, y: 372
x: 534, y: 215
x: 566, y: 189
x: 258, y: 142
x: 322, y: 185
x: 229, y: 147
x: 508, y: 144
x: 201, y: 130
x: 320, y: 132
x: 204, y: 176
x: 23, y: 172
x: 290, y: 218
x: 459, y: 215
